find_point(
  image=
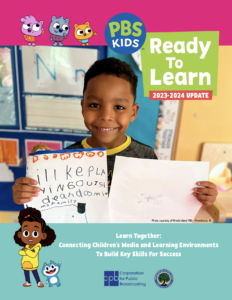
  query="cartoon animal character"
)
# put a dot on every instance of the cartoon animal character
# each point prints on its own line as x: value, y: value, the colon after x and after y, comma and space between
x: 31, y: 28
x: 33, y: 235
x: 59, y: 29
x: 83, y: 33
x: 50, y: 271
x: 40, y: 147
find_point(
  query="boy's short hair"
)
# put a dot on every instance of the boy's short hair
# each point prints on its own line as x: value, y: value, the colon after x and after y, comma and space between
x: 115, y: 67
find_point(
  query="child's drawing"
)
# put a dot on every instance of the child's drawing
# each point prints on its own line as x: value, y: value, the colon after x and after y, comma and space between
x: 153, y: 199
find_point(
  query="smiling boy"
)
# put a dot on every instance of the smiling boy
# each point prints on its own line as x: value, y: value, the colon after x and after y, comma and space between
x: 108, y: 107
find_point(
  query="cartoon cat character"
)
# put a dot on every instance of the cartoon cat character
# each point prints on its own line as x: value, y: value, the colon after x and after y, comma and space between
x: 31, y: 28
x: 83, y: 33
x: 59, y: 29
x: 50, y: 271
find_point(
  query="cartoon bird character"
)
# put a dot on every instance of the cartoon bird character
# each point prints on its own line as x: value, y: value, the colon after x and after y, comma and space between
x: 59, y: 29
x: 50, y: 271
x: 83, y: 33
x: 31, y: 28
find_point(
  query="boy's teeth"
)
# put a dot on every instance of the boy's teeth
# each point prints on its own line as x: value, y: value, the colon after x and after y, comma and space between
x: 106, y: 129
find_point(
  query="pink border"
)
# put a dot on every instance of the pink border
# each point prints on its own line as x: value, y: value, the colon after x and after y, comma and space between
x: 166, y: 16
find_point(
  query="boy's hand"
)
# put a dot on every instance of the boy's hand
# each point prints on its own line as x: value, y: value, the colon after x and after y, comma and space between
x: 208, y: 193
x: 23, y: 192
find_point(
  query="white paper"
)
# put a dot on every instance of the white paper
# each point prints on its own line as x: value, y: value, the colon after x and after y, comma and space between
x: 6, y: 175
x: 56, y: 70
x: 137, y: 58
x: 166, y: 134
x: 69, y: 177
x: 148, y: 191
x: 54, y: 112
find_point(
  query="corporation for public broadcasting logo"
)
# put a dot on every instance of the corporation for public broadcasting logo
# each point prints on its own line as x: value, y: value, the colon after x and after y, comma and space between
x: 111, y: 278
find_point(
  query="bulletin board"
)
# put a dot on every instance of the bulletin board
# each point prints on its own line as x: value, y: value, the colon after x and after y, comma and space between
x: 8, y: 89
x: 24, y: 132
x: 56, y: 70
x: 51, y: 79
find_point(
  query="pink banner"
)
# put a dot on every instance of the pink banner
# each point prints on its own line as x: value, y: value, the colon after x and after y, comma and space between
x: 166, y: 16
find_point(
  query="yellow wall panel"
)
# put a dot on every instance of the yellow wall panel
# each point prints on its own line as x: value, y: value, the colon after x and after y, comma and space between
x: 9, y: 216
x: 207, y: 121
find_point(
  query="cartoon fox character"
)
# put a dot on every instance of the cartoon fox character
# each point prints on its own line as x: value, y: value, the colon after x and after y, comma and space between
x: 83, y: 33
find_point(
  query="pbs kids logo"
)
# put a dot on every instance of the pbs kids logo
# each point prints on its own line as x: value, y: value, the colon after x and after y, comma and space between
x: 125, y: 33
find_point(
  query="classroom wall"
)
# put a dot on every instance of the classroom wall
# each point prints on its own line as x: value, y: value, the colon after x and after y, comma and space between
x: 143, y: 130
x: 21, y: 133
x: 207, y: 121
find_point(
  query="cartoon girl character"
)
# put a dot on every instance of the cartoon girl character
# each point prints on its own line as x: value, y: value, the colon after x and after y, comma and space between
x: 33, y: 234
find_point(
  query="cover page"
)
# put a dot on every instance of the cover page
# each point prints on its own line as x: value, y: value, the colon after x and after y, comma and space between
x: 115, y: 149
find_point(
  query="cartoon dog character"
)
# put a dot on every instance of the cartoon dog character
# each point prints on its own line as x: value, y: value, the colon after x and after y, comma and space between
x: 31, y: 28
x: 50, y: 271
x: 59, y: 29
x: 83, y: 33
